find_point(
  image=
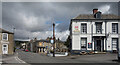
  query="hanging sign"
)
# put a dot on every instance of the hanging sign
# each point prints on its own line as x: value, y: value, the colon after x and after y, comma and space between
x: 76, y: 29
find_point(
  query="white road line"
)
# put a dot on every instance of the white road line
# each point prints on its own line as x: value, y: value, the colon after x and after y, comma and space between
x: 19, y: 60
x: 1, y: 61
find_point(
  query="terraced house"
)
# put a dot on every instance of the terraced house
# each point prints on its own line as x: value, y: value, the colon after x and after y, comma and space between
x: 6, y: 42
x: 94, y: 32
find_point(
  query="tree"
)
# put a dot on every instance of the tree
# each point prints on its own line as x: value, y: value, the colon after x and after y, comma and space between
x: 67, y: 43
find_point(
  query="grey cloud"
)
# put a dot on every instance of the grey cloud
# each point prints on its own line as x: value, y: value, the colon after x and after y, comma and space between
x: 37, y: 16
x: 60, y: 0
x: 0, y: 15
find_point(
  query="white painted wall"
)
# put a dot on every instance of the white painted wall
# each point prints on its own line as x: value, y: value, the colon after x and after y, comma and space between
x: 94, y: 27
x: 109, y: 40
x: 76, y: 36
x: 103, y: 27
x: 76, y: 42
x: 119, y: 41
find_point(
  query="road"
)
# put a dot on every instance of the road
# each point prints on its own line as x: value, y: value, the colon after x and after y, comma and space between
x: 28, y: 58
x: 11, y: 60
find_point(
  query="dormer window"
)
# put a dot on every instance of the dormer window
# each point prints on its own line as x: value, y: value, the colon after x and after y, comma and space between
x: 4, y: 36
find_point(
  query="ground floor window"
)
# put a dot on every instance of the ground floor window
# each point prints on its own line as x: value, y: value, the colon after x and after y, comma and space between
x: 41, y: 49
x: 83, y: 43
x: 114, y: 43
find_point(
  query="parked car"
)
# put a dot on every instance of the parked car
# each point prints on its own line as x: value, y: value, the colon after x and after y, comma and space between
x: 26, y: 50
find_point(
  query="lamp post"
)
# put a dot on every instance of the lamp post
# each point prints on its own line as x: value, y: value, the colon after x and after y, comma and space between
x: 54, y: 39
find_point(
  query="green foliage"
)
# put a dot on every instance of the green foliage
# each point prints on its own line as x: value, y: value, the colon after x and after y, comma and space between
x: 67, y: 43
x: 51, y: 51
x: 18, y: 43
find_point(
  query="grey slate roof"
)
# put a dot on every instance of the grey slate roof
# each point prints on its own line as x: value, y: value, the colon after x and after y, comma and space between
x: 91, y: 16
x: 4, y: 31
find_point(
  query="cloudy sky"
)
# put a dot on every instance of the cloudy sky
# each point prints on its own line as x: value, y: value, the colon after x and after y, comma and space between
x: 34, y: 19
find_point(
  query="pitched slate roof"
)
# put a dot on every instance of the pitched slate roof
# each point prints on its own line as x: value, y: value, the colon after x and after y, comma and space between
x: 91, y: 16
x: 4, y: 31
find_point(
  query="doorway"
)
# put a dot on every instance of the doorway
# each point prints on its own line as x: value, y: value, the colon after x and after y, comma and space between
x: 98, y: 45
x: 5, y: 48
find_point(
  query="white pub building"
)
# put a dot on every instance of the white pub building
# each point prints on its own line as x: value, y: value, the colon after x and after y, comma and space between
x: 94, y: 32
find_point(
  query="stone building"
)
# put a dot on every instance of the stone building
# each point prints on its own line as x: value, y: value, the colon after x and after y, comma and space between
x: 6, y: 42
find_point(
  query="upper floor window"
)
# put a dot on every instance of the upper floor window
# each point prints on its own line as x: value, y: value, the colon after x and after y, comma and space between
x: 99, y: 28
x: 4, y: 36
x: 114, y: 27
x: 84, y: 28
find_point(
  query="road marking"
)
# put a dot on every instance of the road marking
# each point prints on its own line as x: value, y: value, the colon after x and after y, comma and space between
x: 19, y: 60
x: 1, y: 61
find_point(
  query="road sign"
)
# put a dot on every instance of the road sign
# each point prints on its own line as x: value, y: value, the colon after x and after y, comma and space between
x: 89, y: 45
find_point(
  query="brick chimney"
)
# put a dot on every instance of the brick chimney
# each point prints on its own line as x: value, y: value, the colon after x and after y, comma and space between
x: 98, y: 15
x: 95, y: 11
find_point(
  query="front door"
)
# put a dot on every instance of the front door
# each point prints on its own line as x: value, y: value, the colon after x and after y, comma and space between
x: 98, y: 45
x: 5, y: 48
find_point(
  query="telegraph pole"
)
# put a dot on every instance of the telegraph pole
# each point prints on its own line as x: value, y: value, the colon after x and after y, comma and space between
x: 54, y: 39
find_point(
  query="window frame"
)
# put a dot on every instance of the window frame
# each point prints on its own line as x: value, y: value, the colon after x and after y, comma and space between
x: 3, y: 36
x: 115, y: 31
x: 83, y: 28
x: 116, y: 43
x: 85, y: 43
x: 100, y: 24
